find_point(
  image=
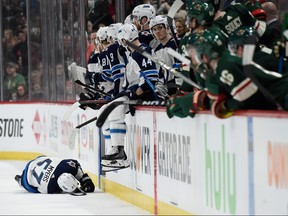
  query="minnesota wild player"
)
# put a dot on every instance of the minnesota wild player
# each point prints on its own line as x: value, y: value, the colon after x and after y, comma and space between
x: 263, y: 55
x: 237, y: 15
x: 228, y: 86
x: 188, y: 101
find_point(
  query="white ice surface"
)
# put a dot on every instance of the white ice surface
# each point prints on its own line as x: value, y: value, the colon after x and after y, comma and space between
x: 15, y: 200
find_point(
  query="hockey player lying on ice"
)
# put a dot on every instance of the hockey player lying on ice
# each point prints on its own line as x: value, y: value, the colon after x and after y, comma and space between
x: 49, y: 175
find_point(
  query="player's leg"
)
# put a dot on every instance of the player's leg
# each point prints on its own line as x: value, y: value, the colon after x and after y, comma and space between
x: 117, y: 157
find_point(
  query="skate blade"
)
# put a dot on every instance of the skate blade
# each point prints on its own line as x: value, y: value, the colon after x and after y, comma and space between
x: 115, y: 163
x: 110, y: 169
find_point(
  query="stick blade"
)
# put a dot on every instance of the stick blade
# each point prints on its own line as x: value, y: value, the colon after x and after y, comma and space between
x: 78, y: 73
x: 178, y: 56
x: 103, y: 116
x: 71, y: 109
x: 72, y: 137
x: 249, y: 49
x: 174, y: 8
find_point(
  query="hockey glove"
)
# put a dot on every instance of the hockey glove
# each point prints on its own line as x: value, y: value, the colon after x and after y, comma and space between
x: 86, y: 183
x: 279, y: 49
x: 181, y: 105
x: 88, y: 96
x: 220, y: 110
x: 161, y: 91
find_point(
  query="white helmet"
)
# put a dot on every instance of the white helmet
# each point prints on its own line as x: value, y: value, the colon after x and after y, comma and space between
x: 128, y: 19
x: 157, y: 20
x: 112, y: 30
x: 144, y: 10
x: 102, y: 33
x: 128, y: 32
x: 68, y: 183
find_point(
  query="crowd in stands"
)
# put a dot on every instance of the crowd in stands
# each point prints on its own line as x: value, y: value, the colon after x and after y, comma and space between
x: 100, y: 13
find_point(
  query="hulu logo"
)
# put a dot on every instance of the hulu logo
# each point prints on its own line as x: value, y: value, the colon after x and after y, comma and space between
x: 220, y: 177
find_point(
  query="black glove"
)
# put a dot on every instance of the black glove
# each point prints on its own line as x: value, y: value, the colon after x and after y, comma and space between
x: 132, y: 110
x: 88, y: 96
x: 279, y: 48
x: 86, y: 183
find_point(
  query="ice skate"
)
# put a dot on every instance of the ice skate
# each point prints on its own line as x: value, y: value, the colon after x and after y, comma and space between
x: 116, y: 158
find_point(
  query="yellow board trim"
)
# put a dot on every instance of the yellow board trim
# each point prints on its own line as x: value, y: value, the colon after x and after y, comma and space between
x: 127, y: 194
x: 141, y: 200
x: 19, y: 155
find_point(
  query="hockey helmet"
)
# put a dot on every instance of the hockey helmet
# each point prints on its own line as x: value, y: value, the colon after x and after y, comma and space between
x: 210, y: 43
x: 202, y: 12
x: 128, y: 32
x: 157, y: 20
x: 102, y: 34
x: 239, y: 37
x: 68, y: 183
x: 256, y: 9
x: 215, y: 3
x: 144, y: 10
x: 128, y: 19
x: 112, y: 31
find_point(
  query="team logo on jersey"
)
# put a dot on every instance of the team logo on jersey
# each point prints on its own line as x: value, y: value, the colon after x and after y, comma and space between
x: 72, y: 164
x: 146, y: 33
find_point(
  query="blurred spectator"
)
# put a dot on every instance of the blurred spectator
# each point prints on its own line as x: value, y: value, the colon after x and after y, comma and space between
x: 89, y: 27
x: 112, y: 10
x: 272, y: 20
x: 102, y: 12
x: 69, y: 91
x: 22, y: 93
x: 37, y: 92
x: 21, y: 52
x: 163, y: 8
x: 181, y: 29
x: 36, y: 77
x: 60, y: 82
x: 68, y: 53
x: 9, y: 41
x: 11, y: 80
x: 90, y: 45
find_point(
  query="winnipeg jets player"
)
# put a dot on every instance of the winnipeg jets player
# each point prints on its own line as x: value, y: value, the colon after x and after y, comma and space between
x: 50, y: 175
x: 160, y: 30
x: 141, y: 16
x: 141, y: 75
x: 117, y: 58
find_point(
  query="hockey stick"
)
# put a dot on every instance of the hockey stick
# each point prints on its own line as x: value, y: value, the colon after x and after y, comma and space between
x: 248, y: 52
x: 78, y: 192
x: 91, y: 88
x: 78, y: 74
x: 178, y: 56
x: 74, y: 131
x: 75, y: 105
x: 103, y: 116
x: 71, y: 109
x: 162, y: 64
x: 171, y: 14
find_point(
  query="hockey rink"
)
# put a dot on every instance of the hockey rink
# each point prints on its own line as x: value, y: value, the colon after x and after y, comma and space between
x: 16, y: 200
